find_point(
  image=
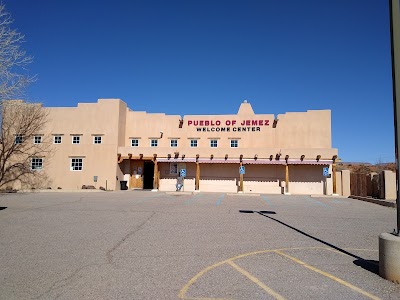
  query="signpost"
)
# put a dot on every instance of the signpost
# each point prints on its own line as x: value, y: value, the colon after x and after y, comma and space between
x: 389, y: 243
x: 242, y: 171
x: 182, y: 173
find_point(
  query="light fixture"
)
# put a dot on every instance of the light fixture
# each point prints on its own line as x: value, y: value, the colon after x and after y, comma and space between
x: 302, y: 157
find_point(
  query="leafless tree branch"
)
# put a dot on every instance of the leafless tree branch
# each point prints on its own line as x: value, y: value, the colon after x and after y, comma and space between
x: 14, y: 76
x: 25, y: 121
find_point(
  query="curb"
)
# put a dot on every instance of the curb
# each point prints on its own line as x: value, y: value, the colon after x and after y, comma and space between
x: 387, y: 203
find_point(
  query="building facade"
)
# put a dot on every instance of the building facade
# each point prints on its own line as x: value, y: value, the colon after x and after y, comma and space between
x: 106, y: 144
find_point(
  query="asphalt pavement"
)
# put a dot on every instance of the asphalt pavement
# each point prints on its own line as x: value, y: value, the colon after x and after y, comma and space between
x: 156, y: 245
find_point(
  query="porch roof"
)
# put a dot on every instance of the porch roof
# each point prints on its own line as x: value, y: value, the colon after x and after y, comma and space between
x: 246, y: 161
x: 176, y: 160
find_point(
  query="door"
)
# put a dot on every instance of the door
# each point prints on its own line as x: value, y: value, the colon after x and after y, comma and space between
x: 148, y: 174
x: 137, y: 174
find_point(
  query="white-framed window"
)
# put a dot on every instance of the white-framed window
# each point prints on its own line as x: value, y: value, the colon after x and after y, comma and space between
x: 213, y: 143
x: 57, y: 139
x: 76, y: 139
x: 135, y: 142
x: 37, y: 139
x: 234, y: 143
x: 97, y: 139
x: 18, y: 139
x: 36, y: 163
x: 193, y: 143
x: 153, y: 143
x: 174, y: 143
x: 173, y: 168
x: 76, y: 164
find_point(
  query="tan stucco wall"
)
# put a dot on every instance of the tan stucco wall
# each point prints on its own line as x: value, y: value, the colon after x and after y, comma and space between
x: 87, y: 119
x: 339, y: 183
x: 307, y: 133
x: 390, y: 185
x: 346, y: 183
x: 306, y: 180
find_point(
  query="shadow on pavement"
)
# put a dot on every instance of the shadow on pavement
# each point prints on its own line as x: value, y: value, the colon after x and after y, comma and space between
x: 369, y: 265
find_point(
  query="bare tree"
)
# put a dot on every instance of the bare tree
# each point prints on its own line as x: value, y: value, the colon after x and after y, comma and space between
x: 23, y: 144
x: 14, y: 76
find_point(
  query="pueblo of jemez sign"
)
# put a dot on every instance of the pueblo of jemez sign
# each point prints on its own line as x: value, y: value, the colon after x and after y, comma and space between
x: 228, y: 125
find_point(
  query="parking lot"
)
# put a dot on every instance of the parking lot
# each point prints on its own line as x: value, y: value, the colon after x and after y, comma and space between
x: 155, y: 245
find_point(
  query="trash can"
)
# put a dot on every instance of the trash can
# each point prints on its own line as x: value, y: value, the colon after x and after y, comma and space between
x: 124, y: 184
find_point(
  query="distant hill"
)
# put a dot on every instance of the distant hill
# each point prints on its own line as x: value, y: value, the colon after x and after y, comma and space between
x: 360, y: 167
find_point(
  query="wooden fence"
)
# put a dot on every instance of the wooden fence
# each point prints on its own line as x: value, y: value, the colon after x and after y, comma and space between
x: 365, y: 185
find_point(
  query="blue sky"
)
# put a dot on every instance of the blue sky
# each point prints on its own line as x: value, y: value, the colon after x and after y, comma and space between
x: 206, y: 57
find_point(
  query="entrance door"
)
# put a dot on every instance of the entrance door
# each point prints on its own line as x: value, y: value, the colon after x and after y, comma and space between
x: 137, y: 174
x: 148, y: 174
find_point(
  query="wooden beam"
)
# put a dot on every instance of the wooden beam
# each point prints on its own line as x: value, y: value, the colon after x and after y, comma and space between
x: 197, y: 182
x: 241, y: 177
x: 287, y: 178
x: 130, y: 171
x: 155, y: 178
x: 334, y: 173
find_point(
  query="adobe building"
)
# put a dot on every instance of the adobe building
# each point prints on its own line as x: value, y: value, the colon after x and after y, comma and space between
x: 106, y: 144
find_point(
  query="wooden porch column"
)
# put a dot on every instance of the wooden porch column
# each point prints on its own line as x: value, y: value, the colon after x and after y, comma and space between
x: 241, y: 179
x: 130, y: 170
x: 155, y: 179
x: 287, y: 178
x: 334, y: 174
x: 197, y: 182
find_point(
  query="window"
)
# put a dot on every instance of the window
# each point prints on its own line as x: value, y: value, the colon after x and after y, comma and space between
x: 18, y: 139
x: 153, y: 143
x: 193, y: 143
x: 234, y: 143
x: 213, y: 143
x: 173, y: 168
x: 57, y: 139
x: 174, y: 143
x: 97, y: 139
x: 76, y: 164
x: 37, y: 139
x: 135, y: 143
x: 36, y: 163
x: 76, y: 139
